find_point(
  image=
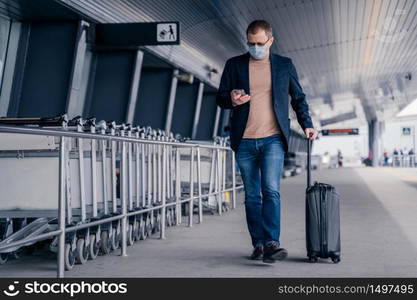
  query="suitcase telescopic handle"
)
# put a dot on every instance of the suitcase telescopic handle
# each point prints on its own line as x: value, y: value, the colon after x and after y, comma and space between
x: 308, y: 162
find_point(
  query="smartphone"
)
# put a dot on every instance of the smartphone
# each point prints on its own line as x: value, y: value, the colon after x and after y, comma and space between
x: 241, y: 91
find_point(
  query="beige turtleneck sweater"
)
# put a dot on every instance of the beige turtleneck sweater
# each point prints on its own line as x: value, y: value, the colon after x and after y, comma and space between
x: 261, y: 121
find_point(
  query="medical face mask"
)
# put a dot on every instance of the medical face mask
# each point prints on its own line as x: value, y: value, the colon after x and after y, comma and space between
x: 257, y: 52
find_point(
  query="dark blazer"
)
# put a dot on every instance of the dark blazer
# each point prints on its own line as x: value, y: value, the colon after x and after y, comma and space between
x: 284, y: 82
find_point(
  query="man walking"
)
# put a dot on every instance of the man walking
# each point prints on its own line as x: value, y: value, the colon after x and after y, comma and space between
x: 255, y: 86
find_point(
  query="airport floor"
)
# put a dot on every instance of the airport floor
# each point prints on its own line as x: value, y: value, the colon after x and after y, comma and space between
x: 378, y: 227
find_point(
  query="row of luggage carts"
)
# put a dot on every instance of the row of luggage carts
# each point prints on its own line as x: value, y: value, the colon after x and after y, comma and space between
x: 88, y: 188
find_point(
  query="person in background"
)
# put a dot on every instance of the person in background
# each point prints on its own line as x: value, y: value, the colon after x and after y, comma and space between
x: 339, y: 158
x: 403, y: 158
x: 395, y: 159
x: 385, y: 158
x: 368, y: 160
x: 411, y: 157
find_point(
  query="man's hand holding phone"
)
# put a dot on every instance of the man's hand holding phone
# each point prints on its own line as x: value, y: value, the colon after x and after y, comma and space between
x: 239, y: 97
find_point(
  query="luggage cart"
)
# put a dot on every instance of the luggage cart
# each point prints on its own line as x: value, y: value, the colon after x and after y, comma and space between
x: 88, y: 188
x: 213, y: 175
x: 21, y: 155
x: 34, y: 160
x: 93, y: 186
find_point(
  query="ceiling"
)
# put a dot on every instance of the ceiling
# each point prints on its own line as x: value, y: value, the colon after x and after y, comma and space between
x: 35, y: 10
x: 363, y: 48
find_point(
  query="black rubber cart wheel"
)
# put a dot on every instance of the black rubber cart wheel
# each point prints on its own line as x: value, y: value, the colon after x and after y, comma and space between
x: 105, y: 246
x: 94, y: 247
x: 3, y: 258
x: 69, y: 257
x: 336, y: 259
x: 81, y: 252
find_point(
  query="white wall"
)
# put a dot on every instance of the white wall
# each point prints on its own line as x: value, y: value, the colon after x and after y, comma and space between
x: 350, y: 145
x: 353, y: 145
x: 392, y: 136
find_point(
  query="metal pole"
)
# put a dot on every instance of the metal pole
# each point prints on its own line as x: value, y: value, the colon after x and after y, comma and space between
x: 134, y: 87
x: 414, y: 147
x: 212, y: 184
x: 171, y: 101
x: 137, y: 172
x: 234, y: 179
x: 61, y: 210
x: 224, y: 174
x: 75, y: 100
x: 130, y: 175
x: 375, y: 137
x: 10, y: 67
x: 81, y: 180
x: 200, y: 203
x: 178, y: 185
x: 160, y: 167
x: 104, y: 176
x: 164, y: 181
x: 68, y: 190
x: 172, y: 169
x: 149, y: 172
x: 113, y: 176
x: 191, y: 203
x: 197, y: 110
x: 94, y: 177
x: 155, y: 182
x: 168, y: 172
x: 143, y: 166
x: 123, y: 198
x: 216, y: 122
x: 219, y: 198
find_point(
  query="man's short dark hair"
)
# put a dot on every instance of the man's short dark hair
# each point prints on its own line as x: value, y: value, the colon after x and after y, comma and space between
x: 256, y: 25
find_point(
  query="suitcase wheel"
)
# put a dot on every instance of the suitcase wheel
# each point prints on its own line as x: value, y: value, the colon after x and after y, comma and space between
x: 336, y: 259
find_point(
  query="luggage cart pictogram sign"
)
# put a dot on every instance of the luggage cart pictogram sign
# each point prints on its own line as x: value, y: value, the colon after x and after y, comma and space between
x: 166, y: 32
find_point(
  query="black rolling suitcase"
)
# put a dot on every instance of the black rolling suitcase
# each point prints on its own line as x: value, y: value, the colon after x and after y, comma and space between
x: 322, y: 218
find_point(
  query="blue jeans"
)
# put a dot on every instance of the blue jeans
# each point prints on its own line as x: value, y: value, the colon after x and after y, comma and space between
x: 261, y: 161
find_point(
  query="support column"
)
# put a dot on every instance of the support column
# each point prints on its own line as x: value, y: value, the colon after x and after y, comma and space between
x: 197, y: 110
x: 171, y: 102
x: 224, y: 119
x: 216, y: 121
x: 75, y: 102
x: 9, y: 68
x: 374, y: 141
x: 134, y: 87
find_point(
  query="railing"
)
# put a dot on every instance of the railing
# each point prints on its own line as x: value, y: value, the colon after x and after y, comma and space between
x: 403, y: 160
x: 150, y: 181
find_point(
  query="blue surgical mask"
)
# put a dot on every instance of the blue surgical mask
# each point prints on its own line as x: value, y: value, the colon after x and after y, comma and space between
x: 257, y: 52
